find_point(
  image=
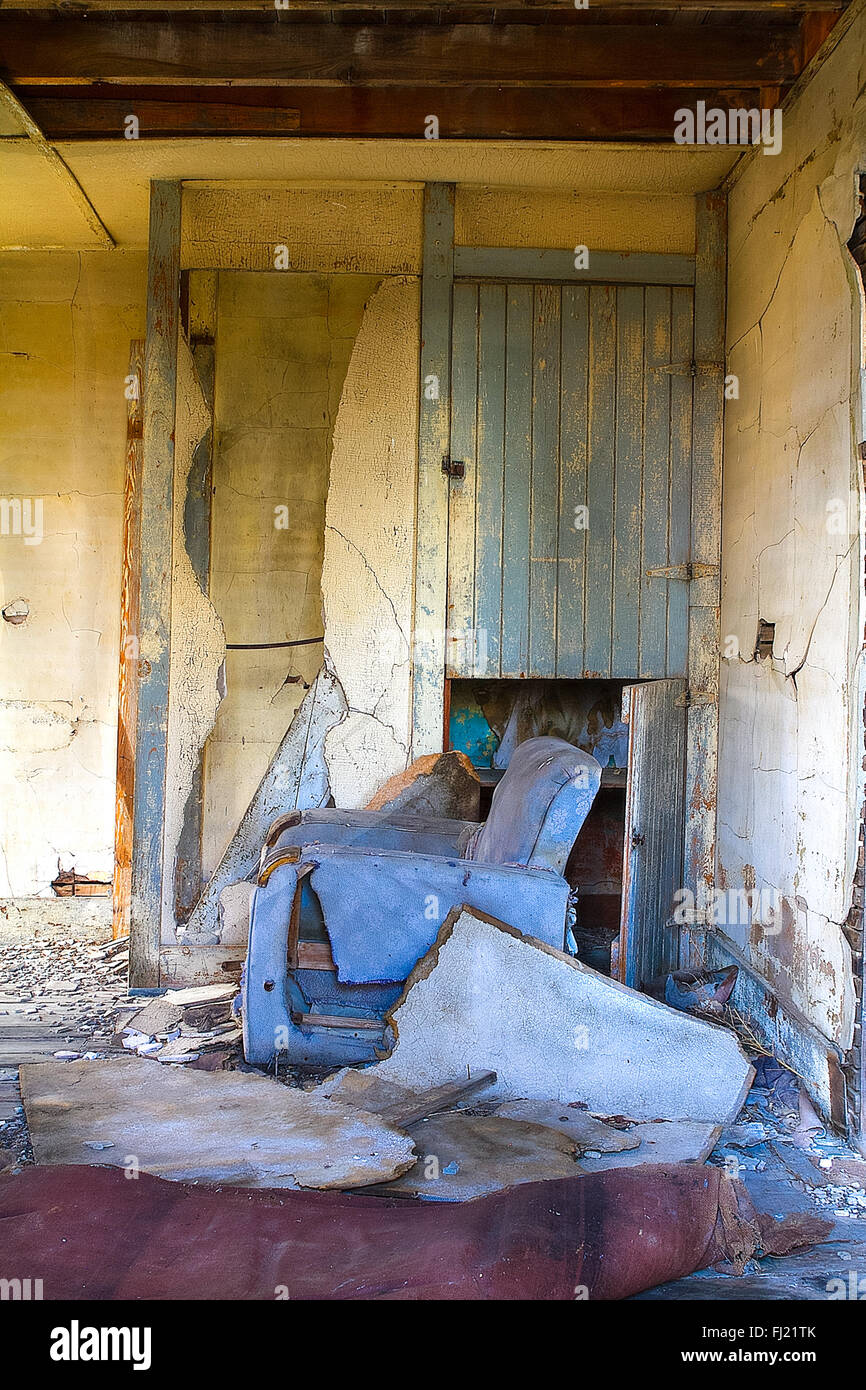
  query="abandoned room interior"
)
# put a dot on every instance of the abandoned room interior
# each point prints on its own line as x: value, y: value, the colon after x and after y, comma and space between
x: 432, y: 742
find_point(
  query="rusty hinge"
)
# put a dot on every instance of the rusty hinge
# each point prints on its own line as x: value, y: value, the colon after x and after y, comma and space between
x: 690, y: 368
x: 696, y: 697
x: 692, y: 569
x: 453, y: 468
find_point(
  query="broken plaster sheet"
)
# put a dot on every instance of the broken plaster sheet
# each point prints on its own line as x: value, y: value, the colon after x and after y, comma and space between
x: 196, y: 1126
x: 367, y: 574
x: 296, y: 778
x: 488, y: 998
x: 197, y: 640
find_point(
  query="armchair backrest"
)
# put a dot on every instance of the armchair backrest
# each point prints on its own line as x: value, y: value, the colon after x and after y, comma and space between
x: 539, y: 807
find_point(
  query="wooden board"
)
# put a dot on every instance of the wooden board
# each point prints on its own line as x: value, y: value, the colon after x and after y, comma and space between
x: 572, y: 418
x: 127, y: 697
x: 652, y: 851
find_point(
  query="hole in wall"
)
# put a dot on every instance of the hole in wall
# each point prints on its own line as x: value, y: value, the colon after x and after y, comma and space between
x: 764, y: 639
x: 16, y: 612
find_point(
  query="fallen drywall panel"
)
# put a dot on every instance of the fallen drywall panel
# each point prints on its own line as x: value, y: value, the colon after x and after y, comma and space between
x: 486, y: 997
x: 297, y: 777
x: 587, y: 1131
x: 465, y: 1156
x: 201, y: 1126
x: 369, y: 546
x: 603, y: 1146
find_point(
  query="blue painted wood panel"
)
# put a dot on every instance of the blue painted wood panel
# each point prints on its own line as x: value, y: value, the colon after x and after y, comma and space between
x: 572, y: 414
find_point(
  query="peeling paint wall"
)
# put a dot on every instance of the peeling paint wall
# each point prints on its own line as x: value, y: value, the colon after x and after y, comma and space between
x: 791, y: 728
x: 197, y: 641
x: 283, y: 344
x: 66, y: 321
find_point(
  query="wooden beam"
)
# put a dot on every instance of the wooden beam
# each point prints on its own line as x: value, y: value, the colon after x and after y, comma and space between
x: 520, y: 7
x: 699, y: 864
x: 518, y: 113
x: 157, y: 503
x: 77, y: 116
x: 264, y: 51
x: 10, y: 106
x: 607, y: 267
x: 431, y: 545
x: 127, y: 698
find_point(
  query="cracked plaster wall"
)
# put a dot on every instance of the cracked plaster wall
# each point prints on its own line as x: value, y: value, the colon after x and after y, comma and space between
x: 367, y: 579
x: 197, y: 640
x: 791, y: 725
x: 283, y: 344
x: 66, y: 321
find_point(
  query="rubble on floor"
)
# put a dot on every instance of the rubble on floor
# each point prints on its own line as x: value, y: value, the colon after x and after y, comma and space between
x: 487, y: 997
x: 196, y: 1027
x: 59, y: 994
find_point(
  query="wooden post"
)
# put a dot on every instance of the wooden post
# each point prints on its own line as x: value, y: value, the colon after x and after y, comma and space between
x: 154, y: 634
x: 127, y: 690
x: 431, y: 547
x: 699, y: 866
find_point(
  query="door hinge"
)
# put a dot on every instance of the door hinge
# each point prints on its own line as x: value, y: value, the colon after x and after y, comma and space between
x: 690, y: 368
x: 692, y: 569
x: 696, y: 697
x: 453, y: 468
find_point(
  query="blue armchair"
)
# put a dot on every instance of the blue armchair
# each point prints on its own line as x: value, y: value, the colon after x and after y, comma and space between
x: 347, y: 902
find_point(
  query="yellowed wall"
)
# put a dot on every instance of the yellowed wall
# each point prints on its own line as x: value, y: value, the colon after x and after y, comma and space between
x: 283, y: 343
x: 791, y: 726
x: 66, y: 322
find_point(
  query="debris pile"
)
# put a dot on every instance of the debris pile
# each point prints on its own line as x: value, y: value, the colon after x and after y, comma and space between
x: 186, y: 1027
x: 58, y: 989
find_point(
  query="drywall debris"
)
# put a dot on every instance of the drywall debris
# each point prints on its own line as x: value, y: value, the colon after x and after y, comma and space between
x: 198, y: 1126
x: 486, y: 997
x: 439, y: 784
x: 585, y: 1130
x: 465, y: 1156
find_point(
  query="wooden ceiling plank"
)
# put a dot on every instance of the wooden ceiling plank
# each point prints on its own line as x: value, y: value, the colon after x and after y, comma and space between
x: 152, y: 51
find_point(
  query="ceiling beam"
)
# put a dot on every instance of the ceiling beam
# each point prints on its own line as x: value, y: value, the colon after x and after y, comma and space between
x: 61, y: 50
x: 465, y: 113
x: 780, y: 7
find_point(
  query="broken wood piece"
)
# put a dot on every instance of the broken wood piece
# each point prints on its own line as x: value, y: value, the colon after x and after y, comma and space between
x: 397, y: 1104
